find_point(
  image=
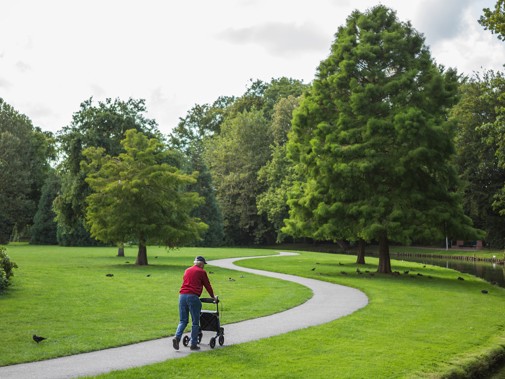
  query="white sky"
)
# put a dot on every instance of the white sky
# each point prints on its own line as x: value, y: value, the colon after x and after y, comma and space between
x: 54, y: 54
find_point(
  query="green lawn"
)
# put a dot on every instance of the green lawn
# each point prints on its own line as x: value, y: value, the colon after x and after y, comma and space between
x: 421, y: 324
x: 64, y: 294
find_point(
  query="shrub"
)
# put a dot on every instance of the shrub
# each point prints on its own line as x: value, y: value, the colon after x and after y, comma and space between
x: 6, y: 267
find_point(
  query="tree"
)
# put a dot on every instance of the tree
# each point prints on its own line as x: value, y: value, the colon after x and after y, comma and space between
x: 137, y: 196
x: 477, y: 143
x: 263, y: 96
x: 372, y: 142
x: 234, y: 158
x: 277, y: 90
x: 236, y: 181
x: 43, y: 231
x: 101, y: 125
x: 494, y: 20
x: 25, y: 153
x: 495, y: 137
x: 209, y: 211
x: 277, y: 175
x: 201, y: 123
x: 196, y: 137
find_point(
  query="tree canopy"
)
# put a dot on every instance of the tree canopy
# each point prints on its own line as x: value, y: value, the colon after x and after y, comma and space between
x: 372, y: 142
x: 234, y: 157
x: 138, y: 197
x: 494, y: 20
x: 478, y: 146
x: 94, y: 125
x: 201, y: 123
x: 278, y: 174
x: 369, y: 152
x: 25, y: 154
x: 232, y: 139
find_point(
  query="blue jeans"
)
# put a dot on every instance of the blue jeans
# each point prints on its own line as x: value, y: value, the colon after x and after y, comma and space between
x: 189, y: 303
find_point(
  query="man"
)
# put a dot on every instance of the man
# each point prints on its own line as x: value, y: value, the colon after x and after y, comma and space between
x: 193, y: 281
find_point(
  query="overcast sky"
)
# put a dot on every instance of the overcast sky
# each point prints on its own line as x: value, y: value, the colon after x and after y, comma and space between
x: 54, y: 54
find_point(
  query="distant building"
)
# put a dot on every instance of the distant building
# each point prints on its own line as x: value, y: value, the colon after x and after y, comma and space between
x: 478, y: 244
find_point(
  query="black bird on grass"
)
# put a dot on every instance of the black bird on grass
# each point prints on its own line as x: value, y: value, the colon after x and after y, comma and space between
x: 109, y: 275
x: 38, y: 339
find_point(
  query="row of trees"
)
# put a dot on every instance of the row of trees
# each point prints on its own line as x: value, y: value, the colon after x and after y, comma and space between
x: 384, y: 145
x: 25, y: 154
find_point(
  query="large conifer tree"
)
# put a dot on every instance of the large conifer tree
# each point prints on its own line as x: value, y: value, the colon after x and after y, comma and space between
x: 372, y: 141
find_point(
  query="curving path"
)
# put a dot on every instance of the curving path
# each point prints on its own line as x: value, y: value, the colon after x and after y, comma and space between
x: 329, y: 302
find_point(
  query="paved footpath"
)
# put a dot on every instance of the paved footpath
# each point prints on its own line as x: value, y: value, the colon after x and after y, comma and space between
x: 329, y: 302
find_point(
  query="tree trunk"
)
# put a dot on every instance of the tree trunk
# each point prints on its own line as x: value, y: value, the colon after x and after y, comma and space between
x: 142, y: 254
x: 120, y: 250
x: 360, y: 258
x: 384, y: 259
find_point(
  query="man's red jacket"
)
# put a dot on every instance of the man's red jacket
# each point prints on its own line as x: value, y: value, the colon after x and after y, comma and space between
x: 193, y: 281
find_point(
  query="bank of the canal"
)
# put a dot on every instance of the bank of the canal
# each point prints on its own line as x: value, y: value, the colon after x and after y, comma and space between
x: 489, y: 270
x: 485, y: 264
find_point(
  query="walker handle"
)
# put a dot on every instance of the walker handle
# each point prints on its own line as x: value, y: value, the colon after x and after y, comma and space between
x: 209, y: 300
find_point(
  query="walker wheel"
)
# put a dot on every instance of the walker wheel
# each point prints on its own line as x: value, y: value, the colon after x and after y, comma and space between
x: 221, y: 340
x: 212, y: 342
x: 185, y: 341
x: 200, y: 335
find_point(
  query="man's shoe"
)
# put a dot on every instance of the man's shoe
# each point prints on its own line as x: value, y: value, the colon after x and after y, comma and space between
x: 195, y: 347
x: 175, y: 342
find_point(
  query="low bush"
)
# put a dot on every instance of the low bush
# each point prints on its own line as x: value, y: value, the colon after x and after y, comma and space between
x: 6, y: 269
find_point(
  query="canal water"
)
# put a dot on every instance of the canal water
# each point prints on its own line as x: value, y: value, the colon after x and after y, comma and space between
x: 491, y: 272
